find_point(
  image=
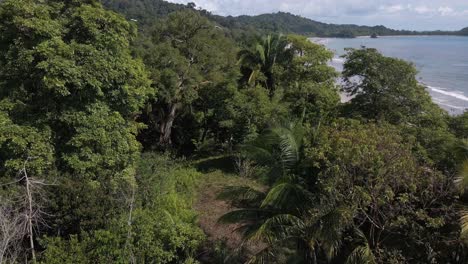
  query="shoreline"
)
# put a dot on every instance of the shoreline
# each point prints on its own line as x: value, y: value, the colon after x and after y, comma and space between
x: 392, y: 36
x: 452, y: 101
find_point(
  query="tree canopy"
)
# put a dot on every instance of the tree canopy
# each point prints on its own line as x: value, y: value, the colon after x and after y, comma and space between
x: 167, y: 134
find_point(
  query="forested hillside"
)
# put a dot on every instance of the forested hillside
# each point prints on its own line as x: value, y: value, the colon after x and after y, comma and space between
x: 289, y: 23
x: 146, y: 10
x: 177, y: 143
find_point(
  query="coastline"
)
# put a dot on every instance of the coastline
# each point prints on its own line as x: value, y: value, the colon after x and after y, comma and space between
x: 452, y: 101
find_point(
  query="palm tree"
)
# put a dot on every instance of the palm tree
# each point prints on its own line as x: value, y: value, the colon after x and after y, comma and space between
x: 286, y: 217
x: 362, y: 253
x: 279, y: 149
x: 462, y: 184
x: 260, y: 61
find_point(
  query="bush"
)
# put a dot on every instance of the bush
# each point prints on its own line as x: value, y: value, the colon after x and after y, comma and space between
x: 161, y: 229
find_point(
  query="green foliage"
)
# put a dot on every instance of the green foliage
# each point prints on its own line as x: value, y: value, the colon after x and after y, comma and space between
x: 340, y: 190
x: 383, y: 88
x: 250, y: 111
x: 309, y: 82
x: 459, y: 125
x: 162, y: 227
x: 351, y: 175
x: 21, y: 143
x: 167, y: 183
x: 185, y: 53
x: 386, y: 89
x: 461, y: 183
x: 143, y: 12
x: 279, y: 149
x: 287, y: 23
x: 242, y: 27
x: 371, y: 169
x: 69, y: 93
x: 103, y: 140
x: 260, y: 62
x: 158, y: 238
x: 60, y: 62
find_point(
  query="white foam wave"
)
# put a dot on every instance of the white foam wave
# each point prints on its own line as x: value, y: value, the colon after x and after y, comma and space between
x: 461, y: 65
x: 452, y: 106
x: 452, y: 94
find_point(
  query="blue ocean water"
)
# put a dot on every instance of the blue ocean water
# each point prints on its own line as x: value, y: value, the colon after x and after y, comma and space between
x: 442, y: 62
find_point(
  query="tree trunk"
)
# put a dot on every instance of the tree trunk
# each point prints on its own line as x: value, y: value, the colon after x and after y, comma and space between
x: 128, y: 244
x: 165, y: 127
x: 30, y: 216
x: 270, y: 82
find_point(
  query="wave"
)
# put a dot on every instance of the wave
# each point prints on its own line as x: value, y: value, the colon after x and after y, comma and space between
x: 453, y: 106
x: 461, y: 65
x: 452, y: 94
x: 444, y: 103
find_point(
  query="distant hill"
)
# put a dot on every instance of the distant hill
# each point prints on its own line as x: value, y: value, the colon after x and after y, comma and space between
x: 146, y: 11
x: 464, y: 32
x: 289, y: 23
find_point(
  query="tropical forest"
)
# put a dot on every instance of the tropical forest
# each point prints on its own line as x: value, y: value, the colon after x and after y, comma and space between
x: 138, y: 131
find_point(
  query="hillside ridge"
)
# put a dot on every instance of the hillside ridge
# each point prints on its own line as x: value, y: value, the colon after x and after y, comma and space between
x: 146, y: 11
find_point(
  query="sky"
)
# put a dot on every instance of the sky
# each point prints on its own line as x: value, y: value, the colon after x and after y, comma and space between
x: 397, y: 14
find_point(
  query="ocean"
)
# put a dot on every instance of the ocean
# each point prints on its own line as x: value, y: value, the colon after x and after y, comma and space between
x: 442, y: 62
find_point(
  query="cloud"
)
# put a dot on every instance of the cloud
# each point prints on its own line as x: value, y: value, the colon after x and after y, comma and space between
x: 392, y: 8
x: 446, y: 11
x: 409, y: 14
x: 422, y: 10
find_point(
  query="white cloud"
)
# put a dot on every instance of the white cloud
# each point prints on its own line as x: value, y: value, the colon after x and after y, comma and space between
x: 446, y: 11
x: 423, y: 10
x: 392, y: 8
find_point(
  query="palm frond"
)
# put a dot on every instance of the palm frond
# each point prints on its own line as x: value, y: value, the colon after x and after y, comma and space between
x: 290, y: 136
x: 242, y: 194
x: 328, y: 229
x: 280, y: 145
x: 261, y: 154
x: 464, y: 223
x: 462, y: 180
x: 276, y: 228
x: 260, y: 49
x: 253, y: 76
x: 290, y: 148
x: 288, y: 196
x: 264, y: 256
x: 362, y: 254
x: 244, y: 216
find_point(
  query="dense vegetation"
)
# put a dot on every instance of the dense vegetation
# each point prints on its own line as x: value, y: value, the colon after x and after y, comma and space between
x: 110, y: 135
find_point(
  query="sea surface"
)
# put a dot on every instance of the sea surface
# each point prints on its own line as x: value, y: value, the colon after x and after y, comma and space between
x: 442, y: 62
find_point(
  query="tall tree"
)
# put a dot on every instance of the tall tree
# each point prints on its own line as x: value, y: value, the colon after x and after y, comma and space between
x: 68, y: 77
x: 259, y: 62
x: 184, y: 53
x: 308, y: 81
x: 386, y: 89
x: 382, y: 87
